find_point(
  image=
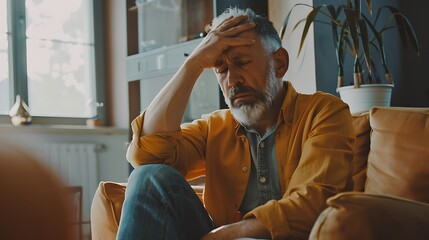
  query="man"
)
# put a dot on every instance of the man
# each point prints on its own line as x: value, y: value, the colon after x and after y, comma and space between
x: 270, y: 161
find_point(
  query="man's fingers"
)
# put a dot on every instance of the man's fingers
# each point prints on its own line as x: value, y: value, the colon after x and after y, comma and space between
x: 238, y: 29
x: 220, y: 38
x: 232, y: 22
x: 232, y: 26
x: 233, y: 42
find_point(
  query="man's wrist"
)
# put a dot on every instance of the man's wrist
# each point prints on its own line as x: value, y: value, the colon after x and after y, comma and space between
x: 194, y: 64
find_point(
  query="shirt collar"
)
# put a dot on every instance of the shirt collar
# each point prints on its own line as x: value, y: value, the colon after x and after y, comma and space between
x: 267, y: 133
x: 288, y: 107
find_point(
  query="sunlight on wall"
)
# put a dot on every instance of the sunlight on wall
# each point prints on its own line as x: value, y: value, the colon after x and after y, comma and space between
x: 302, y: 69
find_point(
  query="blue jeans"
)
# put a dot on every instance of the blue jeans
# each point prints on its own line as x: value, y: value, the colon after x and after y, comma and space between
x: 160, y: 204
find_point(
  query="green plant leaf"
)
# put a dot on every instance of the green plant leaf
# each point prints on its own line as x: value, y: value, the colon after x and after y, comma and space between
x: 334, y: 15
x: 309, y: 20
x: 340, y: 53
x: 379, y: 37
x: 286, y: 19
x: 375, y: 73
x: 298, y: 23
x: 350, y: 4
x: 369, y: 6
x: 405, y: 29
x: 358, y: 8
x: 351, y: 18
x: 365, y: 43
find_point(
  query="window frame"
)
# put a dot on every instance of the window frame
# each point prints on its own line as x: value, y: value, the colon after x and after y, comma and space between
x: 18, y: 68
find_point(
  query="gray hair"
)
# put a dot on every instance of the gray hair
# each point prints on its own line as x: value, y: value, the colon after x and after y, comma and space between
x: 264, y: 28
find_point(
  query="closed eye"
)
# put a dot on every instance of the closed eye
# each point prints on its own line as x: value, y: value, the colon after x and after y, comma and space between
x: 221, y: 67
x: 242, y: 62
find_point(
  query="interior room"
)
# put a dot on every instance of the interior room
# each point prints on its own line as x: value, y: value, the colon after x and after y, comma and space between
x: 75, y: 74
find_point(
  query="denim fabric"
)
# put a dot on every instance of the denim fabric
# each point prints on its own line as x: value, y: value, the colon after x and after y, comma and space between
x: 264, y: 182
x: 160, y: 204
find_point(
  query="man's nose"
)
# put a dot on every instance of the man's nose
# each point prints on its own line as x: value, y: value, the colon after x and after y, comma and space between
x: 234, y: 77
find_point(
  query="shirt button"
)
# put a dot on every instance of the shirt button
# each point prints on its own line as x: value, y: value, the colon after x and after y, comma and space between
x: 244, y: 169
x: 262, y: 180
x: 262, y: 145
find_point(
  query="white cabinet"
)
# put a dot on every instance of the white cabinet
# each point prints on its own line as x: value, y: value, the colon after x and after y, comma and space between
x: 161, y: 61
x: 155, y: 68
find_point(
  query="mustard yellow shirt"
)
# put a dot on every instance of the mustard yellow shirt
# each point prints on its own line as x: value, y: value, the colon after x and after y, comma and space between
x: 314, y: 140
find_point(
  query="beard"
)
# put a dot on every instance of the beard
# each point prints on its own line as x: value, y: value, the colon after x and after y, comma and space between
x: 250, y: 113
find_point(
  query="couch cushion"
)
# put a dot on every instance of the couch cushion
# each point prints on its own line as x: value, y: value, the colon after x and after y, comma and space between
x: 361, y: 149
x: 106, y: 210
x: 371, y: 217
x: 398, y: 162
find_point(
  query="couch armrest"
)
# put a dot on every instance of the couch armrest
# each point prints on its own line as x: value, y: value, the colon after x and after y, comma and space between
x: 355, y: 215
x: 106, y: 210
x: 107, y: 204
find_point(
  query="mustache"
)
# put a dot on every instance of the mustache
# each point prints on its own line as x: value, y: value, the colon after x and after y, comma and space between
x: 239, y: 89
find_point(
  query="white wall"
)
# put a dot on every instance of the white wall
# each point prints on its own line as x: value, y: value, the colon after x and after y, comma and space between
x: 302, y: 68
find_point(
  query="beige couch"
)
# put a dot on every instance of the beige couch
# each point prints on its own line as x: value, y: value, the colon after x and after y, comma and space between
x: 391, y: 193
x: 391, y: 168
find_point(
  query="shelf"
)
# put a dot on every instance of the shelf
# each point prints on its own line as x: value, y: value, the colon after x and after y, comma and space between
x: 161, y: 61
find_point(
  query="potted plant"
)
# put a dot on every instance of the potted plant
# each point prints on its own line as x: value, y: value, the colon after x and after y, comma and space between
x: 356, y: 33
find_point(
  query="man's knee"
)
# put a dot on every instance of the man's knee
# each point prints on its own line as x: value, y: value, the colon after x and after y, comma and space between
x: 155, y: 173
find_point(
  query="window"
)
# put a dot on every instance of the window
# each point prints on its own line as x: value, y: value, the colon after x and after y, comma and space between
x: 4, y: 59
x: 47, y: 55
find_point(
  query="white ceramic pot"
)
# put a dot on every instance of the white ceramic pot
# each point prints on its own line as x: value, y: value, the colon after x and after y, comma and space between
x: 366, y: 96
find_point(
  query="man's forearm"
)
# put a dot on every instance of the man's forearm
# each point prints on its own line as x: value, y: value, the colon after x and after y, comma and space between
x: 166, y: 111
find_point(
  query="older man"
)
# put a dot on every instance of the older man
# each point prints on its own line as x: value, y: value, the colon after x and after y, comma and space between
x: 270, y: 160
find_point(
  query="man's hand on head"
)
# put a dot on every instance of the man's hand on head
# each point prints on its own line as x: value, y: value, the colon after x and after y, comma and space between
x: 220, y: 38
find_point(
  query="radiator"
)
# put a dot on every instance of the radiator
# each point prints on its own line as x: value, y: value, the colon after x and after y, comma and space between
x: 76, y: 164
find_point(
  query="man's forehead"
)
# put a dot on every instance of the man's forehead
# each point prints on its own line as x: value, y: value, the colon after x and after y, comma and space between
x: 245, y: 50
x: 237, y: 52
x: 234, y: 53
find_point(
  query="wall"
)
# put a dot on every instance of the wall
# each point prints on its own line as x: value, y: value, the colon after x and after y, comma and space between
x: 412, y: 87
x: 302, y: 68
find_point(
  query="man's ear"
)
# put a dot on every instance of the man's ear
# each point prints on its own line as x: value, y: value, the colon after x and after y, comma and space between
x: 281, y: 62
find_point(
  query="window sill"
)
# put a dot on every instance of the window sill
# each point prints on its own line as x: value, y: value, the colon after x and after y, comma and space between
x: 61, y: 129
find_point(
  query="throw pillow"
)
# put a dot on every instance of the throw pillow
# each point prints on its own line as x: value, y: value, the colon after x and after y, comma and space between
x: 398, y: 162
